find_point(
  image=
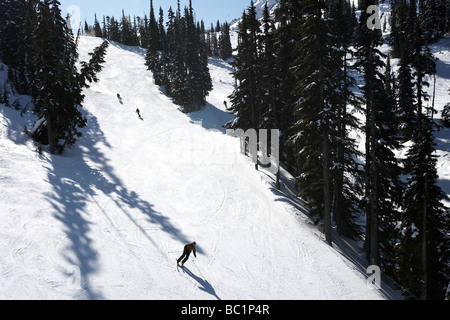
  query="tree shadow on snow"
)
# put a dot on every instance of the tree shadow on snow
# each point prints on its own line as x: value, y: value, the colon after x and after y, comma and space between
x: 443, y: 146
x: 221, y: 64
x: 348, y: 248
x: 443, y: 69
x: 442, y: 139
x: 212, y: 118
x: 134, y: 49
x: 79, y: 178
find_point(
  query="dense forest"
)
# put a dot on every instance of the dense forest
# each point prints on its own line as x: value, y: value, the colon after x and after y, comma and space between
x: 40, y: 51
x: 308, y: 70
x: 178, y: 49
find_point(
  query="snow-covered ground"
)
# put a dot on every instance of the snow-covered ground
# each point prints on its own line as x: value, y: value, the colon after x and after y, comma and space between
x: 441, y: 51
x: 108, y: 218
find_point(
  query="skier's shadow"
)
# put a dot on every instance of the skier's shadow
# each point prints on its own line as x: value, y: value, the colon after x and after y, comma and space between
x: 205, y: 285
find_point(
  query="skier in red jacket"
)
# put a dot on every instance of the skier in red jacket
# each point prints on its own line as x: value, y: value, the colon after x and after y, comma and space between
x: 190, y: 247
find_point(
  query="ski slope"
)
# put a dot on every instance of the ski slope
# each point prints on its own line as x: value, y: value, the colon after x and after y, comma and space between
x: 107, y: 219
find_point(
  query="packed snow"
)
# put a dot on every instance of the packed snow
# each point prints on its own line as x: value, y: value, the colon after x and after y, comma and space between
x: 108, y: 218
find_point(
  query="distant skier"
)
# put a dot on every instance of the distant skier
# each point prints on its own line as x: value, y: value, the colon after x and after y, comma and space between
x: 120, y: 98
x: 138, y: 113
x: 190, y: 247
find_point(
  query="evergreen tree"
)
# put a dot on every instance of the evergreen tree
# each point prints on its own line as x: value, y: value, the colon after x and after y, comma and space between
x: 325, y: 155
x: 152, y: 56
x: 267, y: 93
x: 11, y: 22
x: 433, y: 19
x: 402, y: 25
x: 346, y: 171
x: 204, y: 77
x: 4, y: 97
x: 89, y: 70
x: 104, y: 29
x: 178, y: 77
x: 154, y: 32
x: 287, y: 16
x: 47, y: 63
x: 424, y: 64
x: 244, y: 100
x: 158, y: 58
x: 87, y: 29
x: 58, y: 85
x: 162, y: 31
x: 191, y: 58
x: 382, y: 185
x: 226, y: 50
x: 114, y: 30
x: 169, y: 53
x: 319, y: 94
x: 423, y: 252
x: 214, y: 42
x: 266, y: 59
x: 405, y: 97
x: 179, y: 59
x: 446, y: 114
x: 128, y: 31
x: 26, y: 70
x: 97, y: 29
x: 15, y: 23
x: 393, y: 37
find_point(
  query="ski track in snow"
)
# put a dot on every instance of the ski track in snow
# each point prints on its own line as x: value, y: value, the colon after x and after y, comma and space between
x: 107, y: 219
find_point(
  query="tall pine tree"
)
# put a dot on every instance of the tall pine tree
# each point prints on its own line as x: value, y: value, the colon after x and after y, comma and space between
x: 244, y: 99
x: 318, y: 68
x: 346, y: 171
x: 288, y: 17
x: 382, y: 184
x: 423, y: 252
x: 57, y: 83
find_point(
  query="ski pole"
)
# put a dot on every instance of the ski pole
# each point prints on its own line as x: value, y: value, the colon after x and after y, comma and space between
x: 198, y: 269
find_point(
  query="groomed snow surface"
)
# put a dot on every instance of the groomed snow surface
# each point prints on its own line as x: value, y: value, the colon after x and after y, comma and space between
x: 108, y: 218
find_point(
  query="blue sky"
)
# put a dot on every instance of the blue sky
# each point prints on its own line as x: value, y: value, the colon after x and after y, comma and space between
x: 208, y: 10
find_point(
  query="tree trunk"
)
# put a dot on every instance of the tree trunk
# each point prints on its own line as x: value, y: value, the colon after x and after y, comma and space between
x: 277, y: 184
x: 338, y: 187
x: 374, y: 250
x: 367, y: 191
x: 51, y: 134
x: 424, y: 291
x: 326, y: 188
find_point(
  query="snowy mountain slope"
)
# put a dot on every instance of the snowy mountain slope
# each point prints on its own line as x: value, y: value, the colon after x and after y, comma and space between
x: 259, y: 6
x: 107, y: 219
